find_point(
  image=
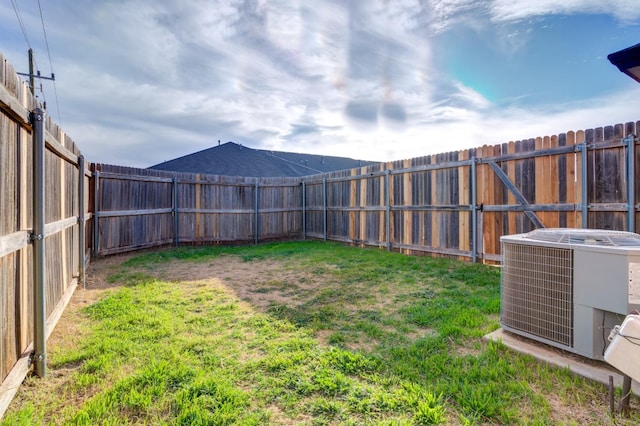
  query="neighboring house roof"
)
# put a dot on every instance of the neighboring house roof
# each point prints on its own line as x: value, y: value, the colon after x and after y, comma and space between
x: 628, y: 61
x: 232, y: 159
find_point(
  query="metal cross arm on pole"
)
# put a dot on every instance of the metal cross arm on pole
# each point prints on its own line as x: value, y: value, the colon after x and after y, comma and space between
x: 32, y: 76
x: 38, y: 75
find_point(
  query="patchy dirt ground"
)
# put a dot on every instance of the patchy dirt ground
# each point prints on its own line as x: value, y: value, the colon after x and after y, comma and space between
x: 247, y: 280
x: 239, y: 276
x: 67, y: 331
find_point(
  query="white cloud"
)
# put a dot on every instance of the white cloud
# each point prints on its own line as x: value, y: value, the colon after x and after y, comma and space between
x: 471, y: 97
x: 468, y: 128
x: 447, y: 13
x: 509, y: 10
x: 142, y: 82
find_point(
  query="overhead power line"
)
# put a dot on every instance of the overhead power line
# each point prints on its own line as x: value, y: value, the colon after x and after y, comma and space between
x: 44, y: 31
x: 46, y: 42
x: 16, y: 9
x: 34, y: 71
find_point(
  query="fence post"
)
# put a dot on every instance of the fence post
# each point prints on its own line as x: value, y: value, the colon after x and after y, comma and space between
x: 81, y: 221
x: 257, y: 201
x: 96, y: 210
x: 387, y: 201
x: 38, y: 238
x: 175, y: 211
x: 474, y: 212
x: 585, y: 196
x: 631, y: 173
x: 304, y: 211
x: 324, y: 207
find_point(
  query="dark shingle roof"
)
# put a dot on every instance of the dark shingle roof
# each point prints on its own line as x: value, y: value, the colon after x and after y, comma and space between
x: 232, y: 159
x: 628, y: 61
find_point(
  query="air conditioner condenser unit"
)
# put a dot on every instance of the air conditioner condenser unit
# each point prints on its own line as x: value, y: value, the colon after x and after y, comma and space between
x: 569, y: 287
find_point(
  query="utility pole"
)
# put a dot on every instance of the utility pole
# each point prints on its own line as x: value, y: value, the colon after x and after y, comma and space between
x: 32, y: 76
x: 32, y: 83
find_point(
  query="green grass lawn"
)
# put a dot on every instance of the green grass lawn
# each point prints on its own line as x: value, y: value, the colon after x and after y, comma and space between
x: 305, y: 333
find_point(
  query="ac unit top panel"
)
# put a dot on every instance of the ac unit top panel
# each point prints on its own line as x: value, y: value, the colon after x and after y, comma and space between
x: 584, y: 239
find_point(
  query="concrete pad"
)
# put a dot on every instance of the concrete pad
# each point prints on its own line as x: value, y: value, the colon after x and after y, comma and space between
x: 598, y: 371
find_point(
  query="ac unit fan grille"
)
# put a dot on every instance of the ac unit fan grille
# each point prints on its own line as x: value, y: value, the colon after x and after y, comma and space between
x: 537, y: 292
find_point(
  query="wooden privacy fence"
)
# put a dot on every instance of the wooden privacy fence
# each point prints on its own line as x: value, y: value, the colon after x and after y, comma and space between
x: 140, y: 208
x: 461, y: 203
x: 42, y: 213
x: 453, y: 204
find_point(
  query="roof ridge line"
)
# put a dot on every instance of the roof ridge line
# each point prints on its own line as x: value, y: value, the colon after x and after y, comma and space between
x: 289, y: 161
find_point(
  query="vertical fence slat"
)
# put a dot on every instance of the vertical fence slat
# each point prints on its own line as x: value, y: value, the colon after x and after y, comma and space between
x: 407, y: 200
x: 553, y: 197
x: 304, y: 210
x: 63, y: 214
x: 9, y: 223
x: 324, y: 209
x: 96, y: 213
x: 511, y: 222
x: 464, y: 197
x: 256, y: 231
x: 436, y: 193
x: 361, y: 232
x: 479, y: 192
x: 387, y: 203
x: 474, y: 211
x: 547, y: 183
x: 584, y: 182
x: 176, y: 220
x: 197, y: 196
x: 489, y: 221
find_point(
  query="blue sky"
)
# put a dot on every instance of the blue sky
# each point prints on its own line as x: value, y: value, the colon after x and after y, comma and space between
x: 141, y: 82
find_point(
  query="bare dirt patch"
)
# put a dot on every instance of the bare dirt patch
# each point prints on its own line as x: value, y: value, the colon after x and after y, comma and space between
x: 261, y: 283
